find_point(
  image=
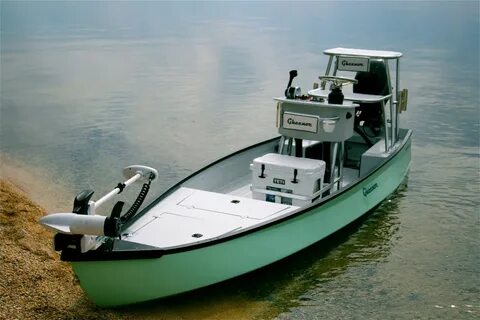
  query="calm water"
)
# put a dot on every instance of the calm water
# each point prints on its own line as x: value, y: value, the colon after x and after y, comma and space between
x: 88, y: 88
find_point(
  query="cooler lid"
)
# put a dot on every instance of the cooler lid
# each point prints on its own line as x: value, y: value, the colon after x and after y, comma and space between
x: 285, y: 161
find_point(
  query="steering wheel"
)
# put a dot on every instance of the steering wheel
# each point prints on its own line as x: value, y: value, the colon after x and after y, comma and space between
x: 337, y: 81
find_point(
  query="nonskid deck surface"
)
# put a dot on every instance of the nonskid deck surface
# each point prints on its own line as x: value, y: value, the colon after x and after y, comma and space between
x: 191, y: 215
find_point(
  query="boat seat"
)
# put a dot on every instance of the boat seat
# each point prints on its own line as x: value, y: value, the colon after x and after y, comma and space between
x: 373, y: 82
x: 373, y: 157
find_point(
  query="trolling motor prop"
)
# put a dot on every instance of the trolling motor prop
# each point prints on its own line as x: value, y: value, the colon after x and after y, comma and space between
x: 336, y: 95
x: 79, y: 229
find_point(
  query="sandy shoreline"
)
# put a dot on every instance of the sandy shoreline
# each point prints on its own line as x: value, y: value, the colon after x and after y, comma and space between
x: 35, y: 284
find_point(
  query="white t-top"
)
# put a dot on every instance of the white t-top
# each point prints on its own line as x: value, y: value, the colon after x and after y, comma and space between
x: 363, y: 53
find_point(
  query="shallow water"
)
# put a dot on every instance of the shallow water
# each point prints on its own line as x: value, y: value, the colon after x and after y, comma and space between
x: 88, y: 88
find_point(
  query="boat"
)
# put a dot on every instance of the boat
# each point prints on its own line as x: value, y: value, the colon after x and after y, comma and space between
x: 340, y: 152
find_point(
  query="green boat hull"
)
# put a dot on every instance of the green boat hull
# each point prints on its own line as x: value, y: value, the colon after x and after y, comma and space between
x: 120, y: 282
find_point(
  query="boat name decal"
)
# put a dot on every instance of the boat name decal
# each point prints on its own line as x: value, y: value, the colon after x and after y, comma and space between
x: 279, y: 181
x: 291, y: 121
x: 353, y: 64
x: 368, y: 190
x: 357, y: 64
x: 300, y: 122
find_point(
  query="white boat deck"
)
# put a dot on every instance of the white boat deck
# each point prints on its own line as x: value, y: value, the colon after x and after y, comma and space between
x: 191, y: 215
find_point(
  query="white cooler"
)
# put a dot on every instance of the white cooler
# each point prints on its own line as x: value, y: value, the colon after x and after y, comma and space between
x: 286, y: 179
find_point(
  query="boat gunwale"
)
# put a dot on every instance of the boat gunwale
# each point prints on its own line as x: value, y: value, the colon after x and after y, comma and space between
x: 153, y: 252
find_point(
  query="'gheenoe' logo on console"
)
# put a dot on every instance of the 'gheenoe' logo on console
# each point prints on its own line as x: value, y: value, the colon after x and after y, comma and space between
x: 300, y: 122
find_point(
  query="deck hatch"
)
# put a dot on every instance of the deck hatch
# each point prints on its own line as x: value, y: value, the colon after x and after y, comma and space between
x: 222, y: 203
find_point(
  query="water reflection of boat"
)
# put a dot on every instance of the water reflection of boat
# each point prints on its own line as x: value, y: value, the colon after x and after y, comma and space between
x: 339, y: 156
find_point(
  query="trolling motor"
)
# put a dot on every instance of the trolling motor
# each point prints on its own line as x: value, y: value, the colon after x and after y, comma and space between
x: 79, y: 229
x: 336, y: 95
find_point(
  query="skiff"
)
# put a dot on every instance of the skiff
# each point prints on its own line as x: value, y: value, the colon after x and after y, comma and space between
x: 339, y: 154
